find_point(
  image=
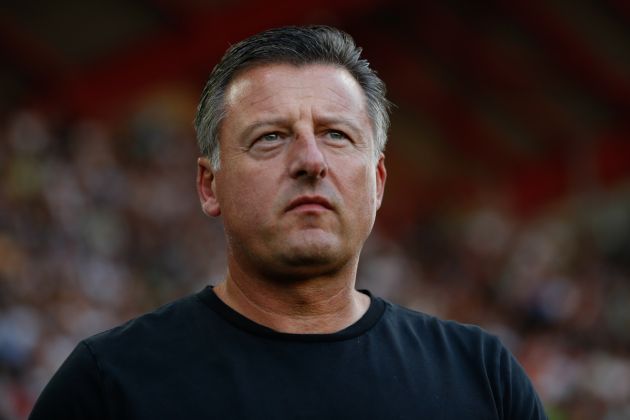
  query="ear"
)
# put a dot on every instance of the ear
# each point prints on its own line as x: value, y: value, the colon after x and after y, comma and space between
x: 206, y: 188
x: 381, y: 177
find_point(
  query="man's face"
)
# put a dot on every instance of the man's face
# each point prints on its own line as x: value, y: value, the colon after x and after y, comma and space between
x: 298, y: 185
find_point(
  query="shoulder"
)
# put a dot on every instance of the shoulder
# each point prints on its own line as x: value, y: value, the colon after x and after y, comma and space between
x: 448, y: 334
x: 165, y: 323
x: 471, y: 353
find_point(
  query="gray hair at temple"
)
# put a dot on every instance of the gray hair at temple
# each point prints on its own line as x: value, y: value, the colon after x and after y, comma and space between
x: 291, y: 45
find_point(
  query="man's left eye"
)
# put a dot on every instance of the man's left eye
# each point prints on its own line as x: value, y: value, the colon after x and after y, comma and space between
x: 336, y: 135
x: 270, y: 137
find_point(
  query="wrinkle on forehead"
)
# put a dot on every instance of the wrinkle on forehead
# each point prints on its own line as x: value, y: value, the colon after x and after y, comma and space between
x: 341, y: 101
x: 244, y: 90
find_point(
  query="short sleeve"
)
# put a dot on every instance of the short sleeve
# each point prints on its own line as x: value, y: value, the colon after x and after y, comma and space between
x: 520, y: 400
x: 74, y: 392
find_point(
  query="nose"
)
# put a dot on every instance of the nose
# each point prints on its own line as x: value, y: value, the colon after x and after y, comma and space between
x: 307, y: 158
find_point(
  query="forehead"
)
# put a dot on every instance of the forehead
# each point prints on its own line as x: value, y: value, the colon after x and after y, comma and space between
x: 279, y: 87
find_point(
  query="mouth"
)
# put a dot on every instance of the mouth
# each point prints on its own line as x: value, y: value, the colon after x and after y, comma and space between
x: 309, y: 203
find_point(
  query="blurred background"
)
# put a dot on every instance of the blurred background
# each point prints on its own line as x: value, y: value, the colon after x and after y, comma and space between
x: 508, y: 195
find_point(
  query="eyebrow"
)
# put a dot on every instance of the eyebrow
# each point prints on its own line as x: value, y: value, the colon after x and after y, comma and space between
x: 262, y: 123
x: 340, y: 121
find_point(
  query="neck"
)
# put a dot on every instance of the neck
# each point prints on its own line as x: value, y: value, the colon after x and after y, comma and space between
x: 322, y: 304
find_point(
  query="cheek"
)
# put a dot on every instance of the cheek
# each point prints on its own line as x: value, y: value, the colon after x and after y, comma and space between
x: 360, y: 188
x: 247, y: 202
x: 246, y: 199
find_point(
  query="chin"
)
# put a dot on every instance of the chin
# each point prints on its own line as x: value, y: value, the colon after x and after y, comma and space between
x: 310, y: 256
x: 314, y: 258
x: 305, y: 254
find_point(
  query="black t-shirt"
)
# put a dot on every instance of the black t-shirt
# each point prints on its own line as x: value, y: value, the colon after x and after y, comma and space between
x: 196, y: 358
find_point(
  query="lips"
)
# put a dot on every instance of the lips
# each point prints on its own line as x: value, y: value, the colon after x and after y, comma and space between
x: 313, y: 202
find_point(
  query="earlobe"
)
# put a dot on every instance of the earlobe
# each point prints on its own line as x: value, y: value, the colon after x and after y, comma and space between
x: 206, y: 189
x: 381, y: 177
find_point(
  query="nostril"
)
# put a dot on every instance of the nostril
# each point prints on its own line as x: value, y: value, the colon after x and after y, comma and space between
x: 310, y: 173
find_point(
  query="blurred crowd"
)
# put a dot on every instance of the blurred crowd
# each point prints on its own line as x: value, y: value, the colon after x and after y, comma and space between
x: 100, y: 223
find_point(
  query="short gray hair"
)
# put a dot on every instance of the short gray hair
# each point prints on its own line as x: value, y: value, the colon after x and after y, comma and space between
x: 291, y: 45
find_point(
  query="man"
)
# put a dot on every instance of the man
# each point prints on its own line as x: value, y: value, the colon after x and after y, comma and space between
x: 292, y: 124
